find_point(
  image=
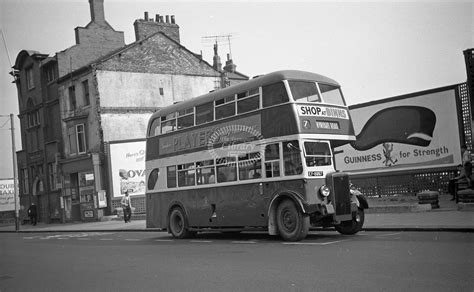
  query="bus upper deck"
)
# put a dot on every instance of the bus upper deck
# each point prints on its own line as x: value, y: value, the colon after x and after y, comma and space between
x: 276, y: 104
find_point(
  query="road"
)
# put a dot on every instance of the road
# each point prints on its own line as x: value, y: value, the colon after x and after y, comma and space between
x: 324, y: 261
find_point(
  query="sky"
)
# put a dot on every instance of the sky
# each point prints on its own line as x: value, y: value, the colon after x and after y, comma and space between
x: 375, y: 49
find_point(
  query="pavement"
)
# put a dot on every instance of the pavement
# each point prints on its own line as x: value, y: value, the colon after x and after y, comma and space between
x: 384, y: 214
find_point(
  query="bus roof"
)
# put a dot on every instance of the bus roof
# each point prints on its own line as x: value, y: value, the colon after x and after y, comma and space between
x: 255, y: 82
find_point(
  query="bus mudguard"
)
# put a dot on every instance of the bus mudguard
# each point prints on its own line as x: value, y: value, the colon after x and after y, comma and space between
x: 272, y: 226
x: 362, y: 201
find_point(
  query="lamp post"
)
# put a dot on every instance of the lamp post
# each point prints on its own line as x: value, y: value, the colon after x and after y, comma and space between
x: 15, y: 176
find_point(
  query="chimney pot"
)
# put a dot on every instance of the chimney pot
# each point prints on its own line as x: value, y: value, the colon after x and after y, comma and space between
x: 157, y: 18
x: 167, y: 19
x: 172, y: 19
x: 146, y: 16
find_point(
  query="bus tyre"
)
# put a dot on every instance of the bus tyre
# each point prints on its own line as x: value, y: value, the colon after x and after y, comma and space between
x: 353, y: 226
x: 292, y: 224
x: 178, y: 224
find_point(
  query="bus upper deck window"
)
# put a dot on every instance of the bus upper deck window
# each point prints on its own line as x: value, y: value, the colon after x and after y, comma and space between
x: 304, y: 91
x: 331, y: 94
x: 274, y: 94
x: 155, y: 128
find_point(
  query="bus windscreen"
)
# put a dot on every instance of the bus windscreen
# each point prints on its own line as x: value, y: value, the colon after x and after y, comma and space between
x: 317, y: 154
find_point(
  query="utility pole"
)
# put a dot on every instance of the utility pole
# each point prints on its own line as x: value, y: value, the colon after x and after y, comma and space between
x: 15, y: 176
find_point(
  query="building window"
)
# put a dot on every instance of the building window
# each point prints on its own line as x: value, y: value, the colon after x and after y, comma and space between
x: 71, y: 134
x: 85, y: 88
x: 33, y: 119
x: 29, y: 78
x: 53, y: 179
x: 50, y: 73
x: 72, y: 97
x: 24, y: 180
x: 162, y: 91
x: 77, y: 139
x: 81, y: 138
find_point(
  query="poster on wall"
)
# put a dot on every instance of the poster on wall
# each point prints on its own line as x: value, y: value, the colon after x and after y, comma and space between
x: 127, y: 161
x: 416, y: 132
x: 7, y: 195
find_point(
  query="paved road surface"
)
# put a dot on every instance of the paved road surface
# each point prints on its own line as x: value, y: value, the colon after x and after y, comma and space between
x: 325, y: 261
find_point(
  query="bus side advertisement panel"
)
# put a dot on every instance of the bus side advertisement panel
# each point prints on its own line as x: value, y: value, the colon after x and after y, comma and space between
x: 417, y: 132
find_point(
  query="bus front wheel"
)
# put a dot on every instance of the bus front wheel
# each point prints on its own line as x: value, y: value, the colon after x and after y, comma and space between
x: 292, y: 224
x: 353, y: 226
x: 177, y: 224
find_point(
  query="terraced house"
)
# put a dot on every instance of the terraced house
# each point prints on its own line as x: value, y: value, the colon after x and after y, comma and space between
x: 97, y: 92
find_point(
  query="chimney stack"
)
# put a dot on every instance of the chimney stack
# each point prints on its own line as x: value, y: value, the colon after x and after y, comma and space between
x: 97, y: 10
x: 217, y: 64
x: 146, y: 27
x: 229, y: 65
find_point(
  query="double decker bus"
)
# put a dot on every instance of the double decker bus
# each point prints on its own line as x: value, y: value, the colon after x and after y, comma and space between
x: 256, y: 155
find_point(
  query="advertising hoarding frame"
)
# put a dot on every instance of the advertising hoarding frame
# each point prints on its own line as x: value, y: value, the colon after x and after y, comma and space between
x: 114, y: 166
x: 410, y: 100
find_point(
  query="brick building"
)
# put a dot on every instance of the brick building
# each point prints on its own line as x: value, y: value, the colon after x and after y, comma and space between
x: 95, y: 92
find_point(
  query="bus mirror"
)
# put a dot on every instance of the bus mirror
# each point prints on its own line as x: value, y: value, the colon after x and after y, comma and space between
x: 292, y: 147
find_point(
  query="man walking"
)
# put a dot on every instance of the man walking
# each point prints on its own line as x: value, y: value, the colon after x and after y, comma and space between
x: 33, y: 214
x: 127, y: 207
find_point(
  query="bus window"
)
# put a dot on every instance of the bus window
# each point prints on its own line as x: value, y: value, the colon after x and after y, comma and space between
x: 292, y: 158
x: 155, y: 128
x: 331, y: 94
x: 153, y: 178
x: 248, y: 101
x: 304, y: 91
x: 317, y: 153
x: 168, y: 123
x: 250, y: 166
x: 205, y: 172
x: 186, y: 174
x: 226, y: 169
x: 171, y: 176
x: 186, y: 118
x: 225, y: 107
x: 204, y: 113
x: 272, y: 160
x: 274, y: 94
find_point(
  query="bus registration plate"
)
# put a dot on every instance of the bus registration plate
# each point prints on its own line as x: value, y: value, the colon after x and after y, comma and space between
x: 315, y: 173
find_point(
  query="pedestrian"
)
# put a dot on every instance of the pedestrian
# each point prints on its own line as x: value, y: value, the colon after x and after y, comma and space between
x: 33, y: 214
x: 466, y: 155
x: 453, y: 180
x: 127, y: 207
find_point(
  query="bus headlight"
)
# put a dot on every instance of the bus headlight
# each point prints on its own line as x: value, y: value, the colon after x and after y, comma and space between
x: 324, y: 191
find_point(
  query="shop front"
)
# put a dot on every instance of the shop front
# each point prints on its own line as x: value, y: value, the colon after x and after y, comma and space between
x: 80, y: 196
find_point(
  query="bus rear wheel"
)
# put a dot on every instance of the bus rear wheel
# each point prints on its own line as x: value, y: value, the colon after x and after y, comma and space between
x: 178, y: 224
x: 292, y: 224
x: 353, y: 226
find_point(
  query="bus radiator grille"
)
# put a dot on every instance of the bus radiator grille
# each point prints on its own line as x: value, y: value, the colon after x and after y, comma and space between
x: 342, y: 199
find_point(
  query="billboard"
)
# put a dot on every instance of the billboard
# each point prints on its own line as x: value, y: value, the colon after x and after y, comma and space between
x: 7, y: 195
x: 127, y: 167
x: 406, y: 133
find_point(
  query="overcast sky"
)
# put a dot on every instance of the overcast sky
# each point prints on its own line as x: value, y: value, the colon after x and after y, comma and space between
x: 374, y: 49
